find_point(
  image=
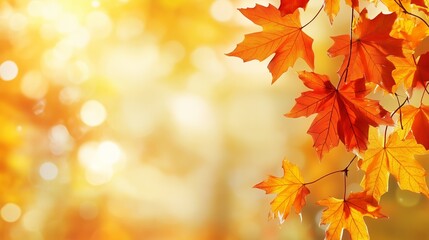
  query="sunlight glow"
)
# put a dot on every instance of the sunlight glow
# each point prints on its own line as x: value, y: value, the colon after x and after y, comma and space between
x: 222, y: 10
x: 191, y: 112
x: 8, y: 70
x: 93, y: 113
x: 34, y: 85
x: 99, y: 160
x: 48, y: 171
x: 99, y: 24
x: 10, y: 212
x: 32, y: 220
x: 95, y: 4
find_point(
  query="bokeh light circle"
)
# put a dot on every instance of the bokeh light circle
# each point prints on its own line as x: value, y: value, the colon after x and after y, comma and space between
x: 10, y: 212
x: 8, y: 70
x: 93, y: 113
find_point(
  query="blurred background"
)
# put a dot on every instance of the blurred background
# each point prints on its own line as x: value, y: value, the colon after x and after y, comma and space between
x: 124, y: 119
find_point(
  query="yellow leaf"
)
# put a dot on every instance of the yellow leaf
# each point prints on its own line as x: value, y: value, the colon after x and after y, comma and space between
x: 290, y: 190
x: 396, y: 157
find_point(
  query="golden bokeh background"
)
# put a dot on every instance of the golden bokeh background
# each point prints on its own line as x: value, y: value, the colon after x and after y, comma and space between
x: 124, y: 119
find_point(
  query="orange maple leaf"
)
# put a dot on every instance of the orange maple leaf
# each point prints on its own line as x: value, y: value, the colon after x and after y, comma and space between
x: 371, y: 45
x: 290, y: 190
x: 412, y: 30
x: 281, y: 35
x: 417, y: 120
x: 412, y: 72
x: 288, y: 6
x: 342, y: 114
x: 395, y: 157
x: 348, y: 214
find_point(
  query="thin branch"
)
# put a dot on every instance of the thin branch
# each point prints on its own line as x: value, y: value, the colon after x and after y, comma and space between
x: 414, y: 59
x: 346, y: 70
x: 423, y: 94
x: 350, y: 163
x: 399, y: 107
x: 400, y: 110
x: 322, y: 177
x: 385, y: 137
x: 345, y: 171
x: 317, y: 14
x: 345, y: 186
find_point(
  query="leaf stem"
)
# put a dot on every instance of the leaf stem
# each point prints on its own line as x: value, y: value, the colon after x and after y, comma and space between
x: 399, y: 107
x: 385, y: 136
x: 414, y: 59
x: 345, y: 186
x: 322, y: 177
x: 317, y: 14
x: 423, y: 94
x: 400, y: 111
x: 345, y: 171
x: 346, y: 70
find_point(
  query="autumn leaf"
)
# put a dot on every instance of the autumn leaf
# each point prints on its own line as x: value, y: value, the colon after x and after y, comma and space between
x: 282, y: 36
x: 416, y: 120
x: 411, y: 30
x: 393, y: 6
x: 395, y: 157
x: 288, y: 6
x: 290, y: 190
x: 332, y: 7
x: 371, y: 44
x: 344, y: 114
x: 420, y: 3
x: 412, y: 72
x: 348, y: 214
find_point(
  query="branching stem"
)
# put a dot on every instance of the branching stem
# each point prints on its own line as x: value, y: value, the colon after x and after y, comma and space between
x: 345, y: 171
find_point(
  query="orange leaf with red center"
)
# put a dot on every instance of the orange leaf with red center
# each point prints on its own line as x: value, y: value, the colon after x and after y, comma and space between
x: 288, y: 6
x: 281, y: 36
x: 344, y: 114
x: 417, y: 120
x: 371, y: 44
x: 396, y: 157
x: 413, y: 72
x: 348, y: 214
x: 290, y: 191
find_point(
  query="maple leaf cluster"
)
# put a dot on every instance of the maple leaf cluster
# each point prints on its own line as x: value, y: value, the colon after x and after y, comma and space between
x: 379, y: 53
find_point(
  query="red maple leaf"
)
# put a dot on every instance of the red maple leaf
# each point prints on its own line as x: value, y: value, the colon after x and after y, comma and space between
x: 342, y: 114
x: 371, y: 44
x: 416, y: 120
x: 288, y: 6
